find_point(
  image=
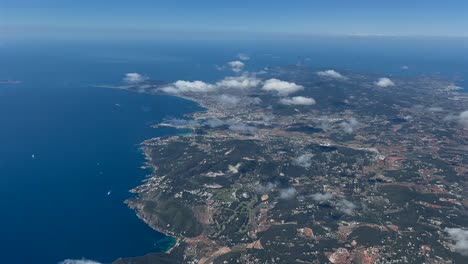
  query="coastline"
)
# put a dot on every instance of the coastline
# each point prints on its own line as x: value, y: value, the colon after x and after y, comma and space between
x: 148, y: 164
x: 154, y: 179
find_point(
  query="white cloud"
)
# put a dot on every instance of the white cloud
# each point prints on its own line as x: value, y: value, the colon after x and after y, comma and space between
x: 189, y: 86
x: 331, y: 74
x: 434, y: 109
x: 255, y: 100
x: 228, y: 99
x: 404, y: 67
x: 463, y: 119
x: 236, y: 66
x: 350, y: 126
x: 215, y: 122
x: 79, y: 261
x: 298, y: 100
x: 304, y: 160
x: 288, y: 193
x: 244, y: 81
x: 460, y: 236
x: 242, y: 128
x: 281, y: 87
x: 322, y: 197
x: 134, y: 77
x: 266, y: 188
x: 453, y: 87
x: 182, y: 122
x: 384, y: 82
x: 346, y: 207
x: 220, y: 68
x: 243, y: 56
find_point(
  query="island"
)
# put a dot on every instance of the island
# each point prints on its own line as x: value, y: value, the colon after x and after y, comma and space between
x: 298, y: 165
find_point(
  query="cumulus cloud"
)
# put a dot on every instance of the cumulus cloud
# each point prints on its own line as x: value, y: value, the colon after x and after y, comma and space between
x: 298, y: 100
x: 324, y: 123
x: 266, y: 188
x: 384, y: 82
x: 134, y: 77
x: 268, y: 118
x: 219, y: 67
x: 215, y: 122
x: 255, y: 100
x: 460, y: 236
x: 404, y: 67
x: 350, y: 126
x: 453, y: 87
x: 228, y: 99
x: 182, y: 122
x: 463, y: 119
x: 188, y: 86
x: 346, y: 207
x: 242, y: 128
x: 243, y: 56
x: 331, y: 74
x: 244, y: 81
x: 435, y: 109
x: 304, y: 160
x: 322, y: 197
x: 281, y: 87
x: 236, y: 66
x: 79, y: 261
x: 288, y: 193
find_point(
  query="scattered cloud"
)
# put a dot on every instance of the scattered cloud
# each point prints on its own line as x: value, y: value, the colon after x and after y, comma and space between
x: 322, y: 197
x: 460, y: 236
x: 255, y: 100
x: 220, y: 67
x: 215, y: 122
x: 134, y: 77
x: 268, y: 118
x: 228, y: 99
x: 266, y: 188
x: 404, y: 67
x: 288, y: 193
x: 188, y: 87
x: 244, y: 81
x: 463, y: 119
x: 236, y: 66
x: 331, y: 74
x: 182, y: 122
x: 453, y: 87
x: 350, y: 126
x: 304, y: 160
x: 324, y: 123
x: 243, y: 56
x: 283, y: 88
x: 242, y: 128
x: 232, y: 125
x: 298, y: 100
x: 384, y: 82
x: 346, y: 207
x: 79, y: 261
x: 435, y: 109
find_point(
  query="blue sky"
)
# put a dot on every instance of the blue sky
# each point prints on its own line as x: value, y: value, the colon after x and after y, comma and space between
x: 302, y: 17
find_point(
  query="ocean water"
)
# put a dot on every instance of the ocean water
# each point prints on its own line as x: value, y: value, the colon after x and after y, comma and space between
x: 55, y: 205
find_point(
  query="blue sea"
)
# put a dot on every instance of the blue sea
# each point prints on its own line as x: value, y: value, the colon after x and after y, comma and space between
x: 69, y: 151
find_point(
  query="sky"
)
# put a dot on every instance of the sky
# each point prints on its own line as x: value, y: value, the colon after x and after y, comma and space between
x: 209, y: 17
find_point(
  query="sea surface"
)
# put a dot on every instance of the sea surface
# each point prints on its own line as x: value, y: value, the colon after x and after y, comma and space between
x: 69, y: 151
